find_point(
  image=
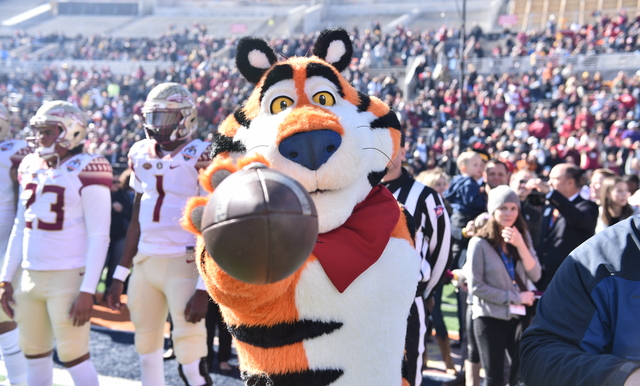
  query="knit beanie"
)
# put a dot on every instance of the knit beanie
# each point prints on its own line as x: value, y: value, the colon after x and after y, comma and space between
x: 499, y: 195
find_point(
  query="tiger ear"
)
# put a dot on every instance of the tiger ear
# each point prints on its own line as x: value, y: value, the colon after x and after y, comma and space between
x: 334, y: 46
x: 254, y: 57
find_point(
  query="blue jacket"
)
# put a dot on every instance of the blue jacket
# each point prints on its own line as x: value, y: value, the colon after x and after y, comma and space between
x: 587, y: 328
x: 465, y: 197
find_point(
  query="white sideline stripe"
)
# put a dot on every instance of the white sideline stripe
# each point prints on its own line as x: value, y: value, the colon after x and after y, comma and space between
x: 63, y: 378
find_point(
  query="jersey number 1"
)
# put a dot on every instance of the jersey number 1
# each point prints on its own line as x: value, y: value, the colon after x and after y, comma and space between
x: 56, y: 207
x: 160, y: 190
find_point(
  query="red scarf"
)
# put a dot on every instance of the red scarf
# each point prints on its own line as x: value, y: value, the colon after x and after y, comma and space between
x: 348, y: 251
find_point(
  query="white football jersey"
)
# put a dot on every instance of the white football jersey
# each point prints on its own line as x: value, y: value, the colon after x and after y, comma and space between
x: 55, y: 233
x: 166, y: 183
x: 11, y: 154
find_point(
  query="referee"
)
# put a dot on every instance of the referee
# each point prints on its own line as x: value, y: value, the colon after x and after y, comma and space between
x: 433, y: 238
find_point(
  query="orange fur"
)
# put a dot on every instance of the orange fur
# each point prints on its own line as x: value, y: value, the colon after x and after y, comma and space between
x: 405, y: 382
x: 401, y: 231
x: 276, y: 360
x: 378, y: 107
x: 308, y: 118
x: 219, y: 163
x: 229, y: 126
x: 186, y: 221
x: 395, y: 137
x: 266, y: 304
x: 244, y: 161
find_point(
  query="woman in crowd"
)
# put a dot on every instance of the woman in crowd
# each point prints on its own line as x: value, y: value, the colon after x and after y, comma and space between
x: 614, y: 202
x: 501, y: 258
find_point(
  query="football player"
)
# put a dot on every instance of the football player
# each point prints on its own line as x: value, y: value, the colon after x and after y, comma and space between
x: 60, y: 239
x: 165, y: 278
x: 12, y: 151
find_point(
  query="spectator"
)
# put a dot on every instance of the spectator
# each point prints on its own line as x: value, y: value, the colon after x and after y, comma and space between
x: 596, y: 183
x: 568, y: 219
x: 614, y: 202
x: 502, y: 259
x: 594, y: 340
x: 528, y: 205
x: 495, y: 174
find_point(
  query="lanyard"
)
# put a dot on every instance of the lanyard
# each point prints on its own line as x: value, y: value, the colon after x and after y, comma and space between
x: 508, y: 263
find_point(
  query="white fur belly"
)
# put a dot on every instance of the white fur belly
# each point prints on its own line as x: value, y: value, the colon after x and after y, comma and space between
x: 369, y: 346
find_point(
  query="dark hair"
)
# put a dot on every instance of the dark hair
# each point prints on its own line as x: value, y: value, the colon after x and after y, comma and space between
x: 491, y: 232
x: 605, y: 200
x: 496, y: 162
x: 403, y: 138
x: 575, y: 173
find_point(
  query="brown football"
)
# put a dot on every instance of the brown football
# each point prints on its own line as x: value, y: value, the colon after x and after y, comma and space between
x: 259, y: 225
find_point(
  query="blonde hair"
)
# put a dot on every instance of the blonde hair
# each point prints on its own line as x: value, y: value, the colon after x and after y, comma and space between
x: 464, y: 158
x: 431, y: 177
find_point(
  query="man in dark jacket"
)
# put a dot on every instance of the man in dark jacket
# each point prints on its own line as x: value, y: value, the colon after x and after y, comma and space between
x: 532, y: 215
x: 568, y: 219
x: 586, y: 329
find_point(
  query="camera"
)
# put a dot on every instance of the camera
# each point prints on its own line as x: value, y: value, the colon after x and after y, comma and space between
x: 536, y: 198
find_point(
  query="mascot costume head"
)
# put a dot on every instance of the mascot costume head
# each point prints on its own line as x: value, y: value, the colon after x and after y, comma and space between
x: 340, y: 317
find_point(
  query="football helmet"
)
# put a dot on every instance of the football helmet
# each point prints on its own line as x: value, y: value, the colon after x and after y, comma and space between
x: 64, y: 115
x: 170, y: 113
x: 5, y: 123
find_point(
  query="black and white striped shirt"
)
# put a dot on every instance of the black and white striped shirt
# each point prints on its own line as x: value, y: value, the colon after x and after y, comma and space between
x: 433, y: 228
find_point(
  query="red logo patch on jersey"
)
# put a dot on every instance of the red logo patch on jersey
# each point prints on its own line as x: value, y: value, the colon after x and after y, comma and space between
x: 439, y: 210
x: 146, y: 165
x: 6, y: 146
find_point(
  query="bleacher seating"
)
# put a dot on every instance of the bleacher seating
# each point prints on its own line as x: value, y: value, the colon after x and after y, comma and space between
x: 533, y: 14
x: 85, y: 25
x: 158, y: 25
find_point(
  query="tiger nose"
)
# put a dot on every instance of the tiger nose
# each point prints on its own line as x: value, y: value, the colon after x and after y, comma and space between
x: 311, y: 149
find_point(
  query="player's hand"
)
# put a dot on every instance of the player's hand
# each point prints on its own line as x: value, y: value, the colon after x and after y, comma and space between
x: 196, y: 308
x: 114, y: 293
x: 81, y: 309
x: 7, y: 299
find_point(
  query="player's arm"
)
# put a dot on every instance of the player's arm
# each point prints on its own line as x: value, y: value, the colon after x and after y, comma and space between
x: 12, y: 259
x: 96, y: 206
x: 126, y: 260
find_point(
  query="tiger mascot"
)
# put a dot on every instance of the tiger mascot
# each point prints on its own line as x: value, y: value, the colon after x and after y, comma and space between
x: 341, y: 318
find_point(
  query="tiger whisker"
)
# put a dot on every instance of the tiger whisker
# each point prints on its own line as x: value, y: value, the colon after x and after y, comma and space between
x: 383, y: 153
x: 255, y: 147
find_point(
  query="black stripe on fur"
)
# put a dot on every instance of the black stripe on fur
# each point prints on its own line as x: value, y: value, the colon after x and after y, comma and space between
x: 306, y: 378
x: 376, y: 177
x: 222, y: 143
x: 390, y: 119
x: 278, y: 73
x: 319, y: 69
x: 241, y: 117
x: 365, y: 102
x: 282, y: 334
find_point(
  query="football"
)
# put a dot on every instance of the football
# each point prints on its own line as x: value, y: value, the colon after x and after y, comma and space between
x: 259, y: 225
